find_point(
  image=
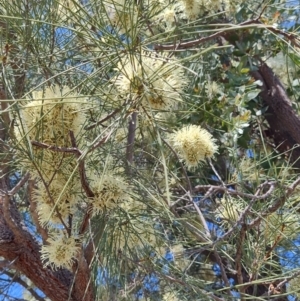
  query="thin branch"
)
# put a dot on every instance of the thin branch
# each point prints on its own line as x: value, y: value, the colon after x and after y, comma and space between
x: 223, y: 272
x: 287, y: 279
x: 84, y: 184
x: 192, y: 43
x: 112, y: 114
x: 72, y: 150
x: 279, y: 202
x: 81, y: 168
x: 214, y: 188
x: 51, y: 199
x: 244, y: 25
x: 7, y: 212
x: 245, y: 211
x: 215, y: 171
x: 290, y: 189
x: 24, y: 179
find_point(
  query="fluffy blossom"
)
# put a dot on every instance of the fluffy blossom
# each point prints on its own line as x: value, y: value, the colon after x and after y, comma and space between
x: 60, y: 251
x: 51, y: 115
x: 48, y: 118
x: 61, y: 204
x: 163, y: 16
x: 193, y: 144
x: 190, y: 9
x: 212, y: 89
x: 156, y: 81
x: 110, y: 190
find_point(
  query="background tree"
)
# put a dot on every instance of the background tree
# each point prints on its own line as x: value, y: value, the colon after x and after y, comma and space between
x: 149, y: 150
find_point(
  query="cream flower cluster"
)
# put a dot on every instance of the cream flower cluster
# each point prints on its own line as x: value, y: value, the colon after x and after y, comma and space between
x: 48, y: 118
x: 110, y: 190
x: 56, y: 202
x: 167, y: 15
x: 60, y: 251
x: 52, y: 114
x: 154, y: 80
x: 193, y: 144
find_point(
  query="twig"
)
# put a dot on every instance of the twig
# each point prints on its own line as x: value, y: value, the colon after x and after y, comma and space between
x: 72, y: 150
x: 287, y: 279
x: 223, y: 272
x: 81, y: 168
x: 85, y: 186
x: 24, y: 179
x: 112, y: 114
x: 15, y: 278
x: 191, y: 43
x: 245, y: 211
x: 52, y: 201
x: 276, y: 242
x: 277, y: 204
x: 290, y: 189
x: 234, y: 192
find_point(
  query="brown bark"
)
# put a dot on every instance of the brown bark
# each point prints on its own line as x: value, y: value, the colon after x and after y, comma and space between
x: 283, y: 120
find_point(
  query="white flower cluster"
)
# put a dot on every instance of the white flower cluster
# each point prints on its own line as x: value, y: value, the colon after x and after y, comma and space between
x: 60, y: 251
x: 154, y: 80
x: 193, y: 144
x: 110, y: 190
x: 48, y: 119
x: 168, y: 14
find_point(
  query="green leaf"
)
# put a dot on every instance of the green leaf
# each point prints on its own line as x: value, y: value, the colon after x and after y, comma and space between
x: 252, y: 94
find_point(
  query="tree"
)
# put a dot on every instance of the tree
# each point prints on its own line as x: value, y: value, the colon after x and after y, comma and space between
x: 149, y: 150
